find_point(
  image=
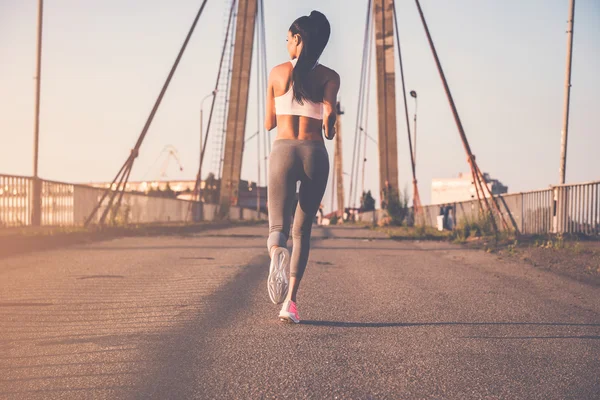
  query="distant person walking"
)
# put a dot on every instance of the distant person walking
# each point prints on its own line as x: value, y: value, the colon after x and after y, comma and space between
x: 301, y: 103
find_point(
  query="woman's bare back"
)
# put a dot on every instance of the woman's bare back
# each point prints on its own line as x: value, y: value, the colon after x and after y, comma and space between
x: 323, y: 83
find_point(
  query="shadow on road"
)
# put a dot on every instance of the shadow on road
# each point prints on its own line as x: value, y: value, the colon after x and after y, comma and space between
x: 341, y: 324
x: 161, y: 248
x: 532, y: 337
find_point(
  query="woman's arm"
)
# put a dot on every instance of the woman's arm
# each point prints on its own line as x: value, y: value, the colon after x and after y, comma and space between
x: 270, y: 117
x: 329, y: 105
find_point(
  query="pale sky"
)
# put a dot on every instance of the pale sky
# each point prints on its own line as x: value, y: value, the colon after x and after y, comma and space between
x: 105, y: 62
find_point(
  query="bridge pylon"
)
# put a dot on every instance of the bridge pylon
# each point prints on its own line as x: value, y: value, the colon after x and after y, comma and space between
x: 238, y: 104
x: 383, y: 11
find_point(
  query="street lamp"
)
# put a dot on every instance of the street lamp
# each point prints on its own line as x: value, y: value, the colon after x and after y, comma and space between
x: 36, y: 215
x: 413, y: 94
x: 256, y: 134
x: 362, y: 188
x: 211, y: 94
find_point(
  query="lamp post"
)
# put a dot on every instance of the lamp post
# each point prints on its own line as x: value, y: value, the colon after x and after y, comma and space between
x: 36, y: 214
x: 413, y: 94
x: 256, y: 134
x: 362, y: 186
x: 565, y: 127
x: 367, y: 136
x: 211, y: 94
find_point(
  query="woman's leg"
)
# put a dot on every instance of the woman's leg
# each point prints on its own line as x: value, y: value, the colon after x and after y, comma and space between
x: 281, y: 193
x: 312, y: 187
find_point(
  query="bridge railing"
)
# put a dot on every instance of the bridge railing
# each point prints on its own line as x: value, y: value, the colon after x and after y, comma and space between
x: 573, y: 208
x: 578, y: 208
x: 65, y: 204
x: 15, y: 200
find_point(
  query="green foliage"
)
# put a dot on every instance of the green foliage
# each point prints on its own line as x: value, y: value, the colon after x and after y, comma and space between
x: 169, y: 192
x: 119, y: 215
x: 211, y: 189
x: 481, y: 227
x: 397, y: 207
x: 158, y: 192
x: 414, y: 233
x: 367, y: 202
x: 421, y: 230
x: 334, y: 220
x: 553, y: 242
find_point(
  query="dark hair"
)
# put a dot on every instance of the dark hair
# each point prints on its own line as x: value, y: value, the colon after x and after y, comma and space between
x: 314, y: 31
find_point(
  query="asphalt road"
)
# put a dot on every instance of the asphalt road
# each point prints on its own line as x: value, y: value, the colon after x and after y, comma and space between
x: 189, y: 317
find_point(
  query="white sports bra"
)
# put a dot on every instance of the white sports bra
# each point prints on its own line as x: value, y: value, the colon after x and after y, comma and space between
x: 287, y: 105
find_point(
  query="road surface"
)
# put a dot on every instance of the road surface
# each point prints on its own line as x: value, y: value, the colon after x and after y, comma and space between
x: 184, y: 317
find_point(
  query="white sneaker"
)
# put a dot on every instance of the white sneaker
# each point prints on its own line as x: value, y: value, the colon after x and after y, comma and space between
x: 279, y: 275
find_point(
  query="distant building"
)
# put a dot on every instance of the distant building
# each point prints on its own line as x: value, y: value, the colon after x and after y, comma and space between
x: 461, y: 189
x: 184, y: 190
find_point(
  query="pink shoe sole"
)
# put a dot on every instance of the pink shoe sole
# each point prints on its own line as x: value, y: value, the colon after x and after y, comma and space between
x: 289, y: 313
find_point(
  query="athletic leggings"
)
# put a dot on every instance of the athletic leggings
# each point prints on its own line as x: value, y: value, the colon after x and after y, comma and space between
x: 292, y: 161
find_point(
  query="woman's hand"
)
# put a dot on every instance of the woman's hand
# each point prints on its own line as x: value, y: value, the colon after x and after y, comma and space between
x: 329, y: 125
x: 270, y: 114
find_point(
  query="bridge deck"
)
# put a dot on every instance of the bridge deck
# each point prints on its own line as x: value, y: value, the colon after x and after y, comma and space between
x: 189, y: 317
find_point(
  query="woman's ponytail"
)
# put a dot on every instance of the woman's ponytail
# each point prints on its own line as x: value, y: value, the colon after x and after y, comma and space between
x: 314, y: 31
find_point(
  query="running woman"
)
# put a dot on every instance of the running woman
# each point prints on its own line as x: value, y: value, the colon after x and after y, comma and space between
x: 301, y: 103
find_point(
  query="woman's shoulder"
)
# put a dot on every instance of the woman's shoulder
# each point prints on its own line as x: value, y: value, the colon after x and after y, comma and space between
x: 282, y: 68
x: 281, y: 73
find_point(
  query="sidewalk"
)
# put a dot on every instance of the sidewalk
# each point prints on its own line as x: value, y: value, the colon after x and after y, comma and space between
x: 25, y: 240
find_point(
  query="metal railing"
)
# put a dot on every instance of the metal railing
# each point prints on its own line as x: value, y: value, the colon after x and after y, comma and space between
x: 573, y: 208
x: 65, y: 204
x: 15, y: 200
x: 57, y: 204
x: 578, y: 208
x: 536, y: 211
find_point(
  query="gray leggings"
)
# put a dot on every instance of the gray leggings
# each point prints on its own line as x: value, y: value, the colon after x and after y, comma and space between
x: 292, y: 161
